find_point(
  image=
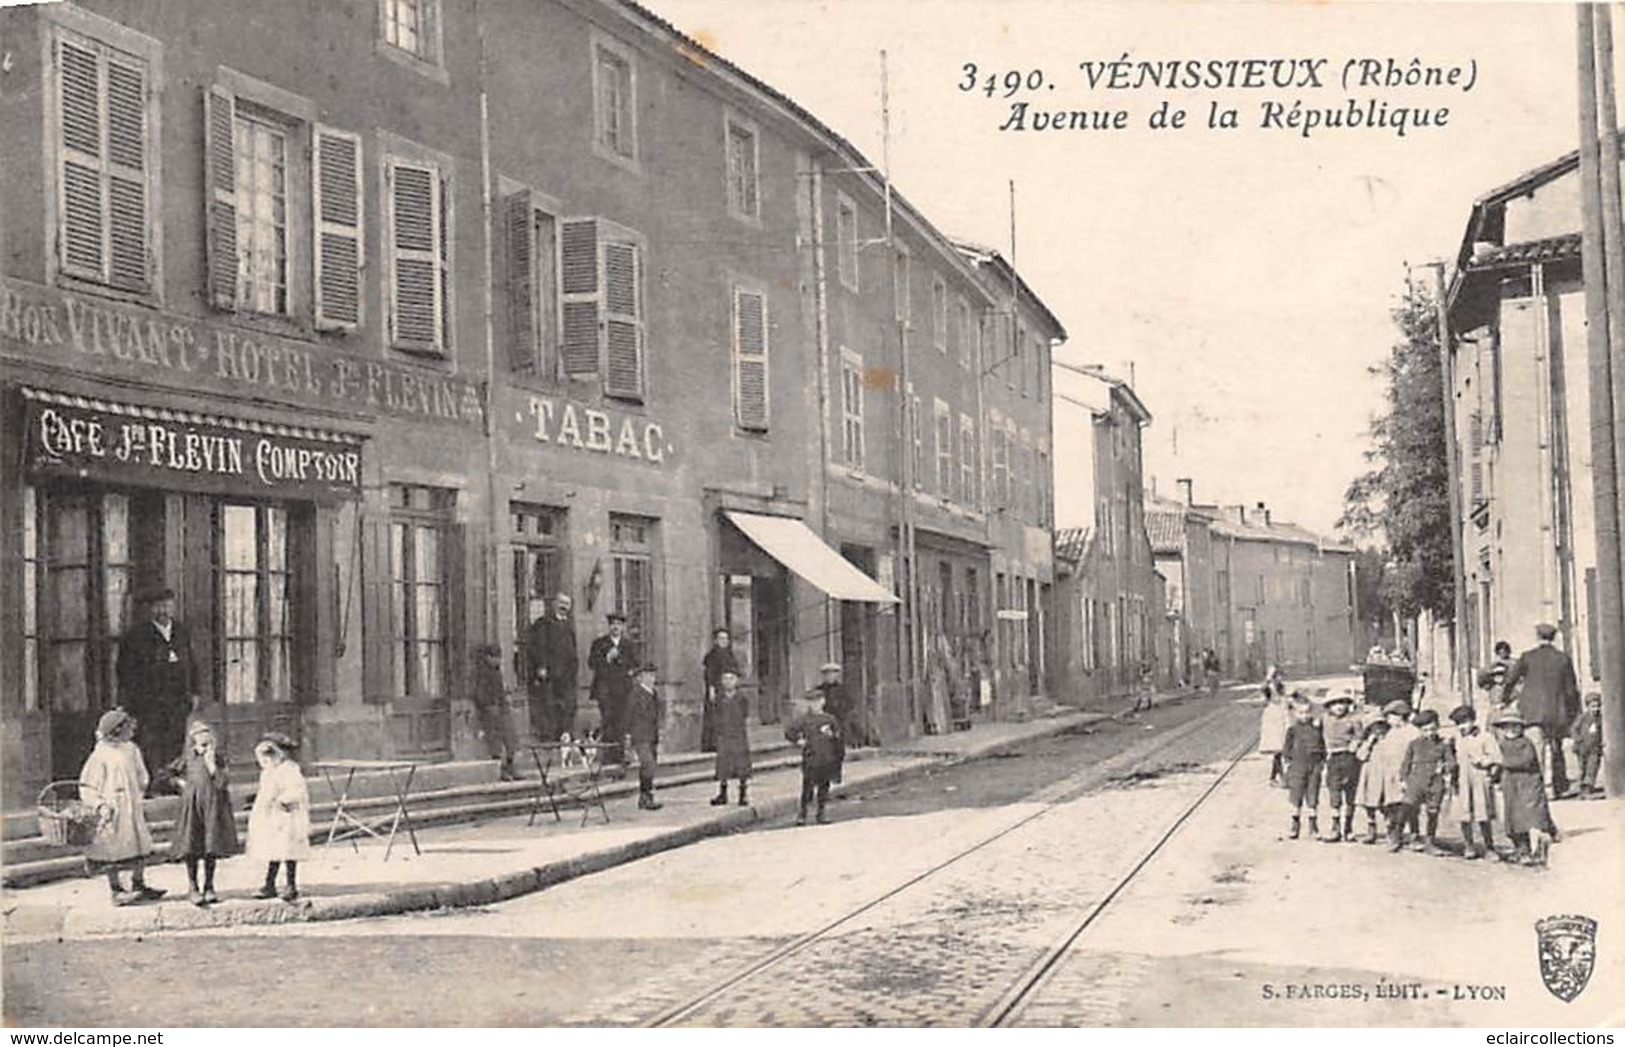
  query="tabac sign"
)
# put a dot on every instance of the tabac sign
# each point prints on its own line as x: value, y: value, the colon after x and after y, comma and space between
x: 70, y: 436
x: 41, y: 323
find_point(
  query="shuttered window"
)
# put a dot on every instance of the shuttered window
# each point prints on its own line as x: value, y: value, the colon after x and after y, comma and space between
x: 411, y: 25
x: 967, y: 460
x: 846, y: 242
x: 944, y: 427
x: 1001, y: 465
x: 531, y: 240
x: 338, y: 249
x: 939, y: 314
x: 261, y: 148
x: 601, y: 279
x: 743, y: 182
x: 750, y: 359
x: 916, y: 443
x: 419, y: 281
x: 104, y: 156
x: 900, y: 285
x: 852, y: 409
x: 1475, y: 446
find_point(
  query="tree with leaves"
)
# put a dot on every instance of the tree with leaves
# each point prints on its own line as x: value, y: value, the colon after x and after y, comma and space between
x: 1403, y: 499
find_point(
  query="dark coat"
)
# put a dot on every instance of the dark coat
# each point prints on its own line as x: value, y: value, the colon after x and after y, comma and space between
x: 1523, y: 793
x: 718, y: 659
x: 551, y: 644
x: 154, y: 672
x: 836, y: 701
x: 1587, y: 733
x: 611, y: 679
x: 1305, y: 743
x: 1550, y: 692
x: 1428, y: 764
x: 644, y: 715
x: 819, y: 735
x: 204, y: 827
x: 733, y: 740
x: 489, y: 687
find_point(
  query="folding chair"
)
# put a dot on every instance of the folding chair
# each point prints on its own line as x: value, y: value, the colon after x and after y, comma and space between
x: 579, y: 783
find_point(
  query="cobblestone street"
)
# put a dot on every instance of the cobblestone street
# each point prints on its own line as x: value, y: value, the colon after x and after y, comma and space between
x: 636, y: 943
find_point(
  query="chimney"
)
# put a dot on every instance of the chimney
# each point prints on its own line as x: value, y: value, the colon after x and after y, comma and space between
x: 1263, y: 513
x: 1187, y: 490
x: 1236, y: 514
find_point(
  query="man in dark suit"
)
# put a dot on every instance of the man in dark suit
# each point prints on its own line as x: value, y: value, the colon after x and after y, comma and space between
x: 1548, y: 702
x: 550, y: 657
x: 157, y: 675
x: 611, y: 660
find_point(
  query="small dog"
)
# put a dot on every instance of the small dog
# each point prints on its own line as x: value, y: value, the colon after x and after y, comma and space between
x: 573, y: 753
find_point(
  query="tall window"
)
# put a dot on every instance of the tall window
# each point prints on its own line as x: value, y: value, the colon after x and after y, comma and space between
x: 900, y: 285
x: 419, y: 201
x: 31, y: 613
x: 420, y: 520
x: 257, y: 647
x: 750, y: 359
x: 916, y: 438
x: 105, y: 161
x: 1000, y: 494
x: 261, y: 148
x: 531, y: 243
x: 86, y: 597
x: 846, y: 242
x: 632, y: 551
x: 601, y: 281
x: 1020, y: 362
x: 939, y: 313
x: 412, y: 26
x: 944, y: 419
x: 614, y: 104
x: 969, y: 332
x: 967, y: 460
x: 743, y: 181
x: 539, y: 570
x: 851, y: 409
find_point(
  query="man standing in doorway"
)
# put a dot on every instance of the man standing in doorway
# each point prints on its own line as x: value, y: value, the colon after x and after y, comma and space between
x: 1548, y: 702
x: 550, y: 652
x: 719, y: 659
x: 611, y: 660
x: 156, y: 676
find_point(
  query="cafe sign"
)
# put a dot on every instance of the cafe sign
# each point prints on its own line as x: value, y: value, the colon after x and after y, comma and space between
x: 124, y: 443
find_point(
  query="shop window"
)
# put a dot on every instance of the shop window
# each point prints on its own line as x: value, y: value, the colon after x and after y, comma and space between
x: 633, y: 551
x: 419, y: 526
x: 539, y: 568
x: 105, y: 166
x: 256, y: 648
x: 86, y: 597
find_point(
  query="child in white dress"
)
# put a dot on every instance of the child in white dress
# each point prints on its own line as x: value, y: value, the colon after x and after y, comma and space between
x: 279, y: 825
x: 115, y: 777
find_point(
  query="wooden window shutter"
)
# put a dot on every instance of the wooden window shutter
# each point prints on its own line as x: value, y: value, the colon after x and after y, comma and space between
x: 84, y: 215
x: 417, y: 295
x: 623, y: 320
x: 579, y: 283
x: 219, y: 149
x: 336, y: 192
x: 377, y: 606
x: 519, y: 223
x: 750, y: 359
x: 131, y: 261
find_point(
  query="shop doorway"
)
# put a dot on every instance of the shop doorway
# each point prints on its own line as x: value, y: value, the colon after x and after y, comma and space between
x: 755, y: 611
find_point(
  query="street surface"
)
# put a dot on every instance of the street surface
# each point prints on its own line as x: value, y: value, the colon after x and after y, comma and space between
x: 630, y: 945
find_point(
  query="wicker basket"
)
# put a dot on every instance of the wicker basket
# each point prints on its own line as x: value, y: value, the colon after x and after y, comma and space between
x: 70, y: 814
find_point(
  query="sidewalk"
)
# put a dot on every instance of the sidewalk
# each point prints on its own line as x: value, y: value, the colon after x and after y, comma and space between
x: 1235, y: 924
x: 486, y: 861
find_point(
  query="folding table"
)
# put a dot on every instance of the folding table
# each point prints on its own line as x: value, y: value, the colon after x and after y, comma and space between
x: 576, y: 781
x: 347, y: 826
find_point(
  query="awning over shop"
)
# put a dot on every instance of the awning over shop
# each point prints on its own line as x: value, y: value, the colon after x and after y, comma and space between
x: 793, y: 544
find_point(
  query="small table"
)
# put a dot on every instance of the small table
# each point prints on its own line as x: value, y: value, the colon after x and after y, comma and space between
x: 559, y: 779
x: 347, y: 826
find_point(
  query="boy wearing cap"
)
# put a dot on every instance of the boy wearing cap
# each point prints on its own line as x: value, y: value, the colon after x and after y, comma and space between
x: 1424, y: 770
x: 1342, y: 733
x: 733, y: 739
x: 1305, y: 750
x: 643, y: 726
x: 822, y: 752
x: 1387, y: 760
x: 835, y: 700
x: 1476, y: 757
x: 1587, y: 735
x: 491, y: 703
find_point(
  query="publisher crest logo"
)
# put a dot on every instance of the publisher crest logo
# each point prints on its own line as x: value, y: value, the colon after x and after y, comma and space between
x: 1568, y: 952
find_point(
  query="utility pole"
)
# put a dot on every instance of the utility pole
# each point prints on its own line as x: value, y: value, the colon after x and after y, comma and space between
x: 1460, y: 660
x: 1600, y: 321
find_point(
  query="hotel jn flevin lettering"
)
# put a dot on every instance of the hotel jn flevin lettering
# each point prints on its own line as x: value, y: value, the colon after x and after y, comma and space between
x: 368, y: 328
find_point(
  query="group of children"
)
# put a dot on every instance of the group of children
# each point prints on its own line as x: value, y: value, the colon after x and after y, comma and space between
x: 1404, y: 766
x: 115, y: 780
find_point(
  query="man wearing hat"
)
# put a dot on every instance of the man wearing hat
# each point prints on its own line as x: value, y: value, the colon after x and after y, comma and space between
x: 157, y: 674
x: 837, y: 703
x: 550, y: 659
x: 1549, y: 702
x: 611, y: 660
x: 644, y: 714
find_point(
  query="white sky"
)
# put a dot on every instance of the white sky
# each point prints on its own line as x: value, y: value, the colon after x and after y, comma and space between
x: 1247, y: 275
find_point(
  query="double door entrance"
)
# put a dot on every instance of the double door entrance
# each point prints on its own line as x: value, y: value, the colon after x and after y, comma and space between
x: 237, y: 569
